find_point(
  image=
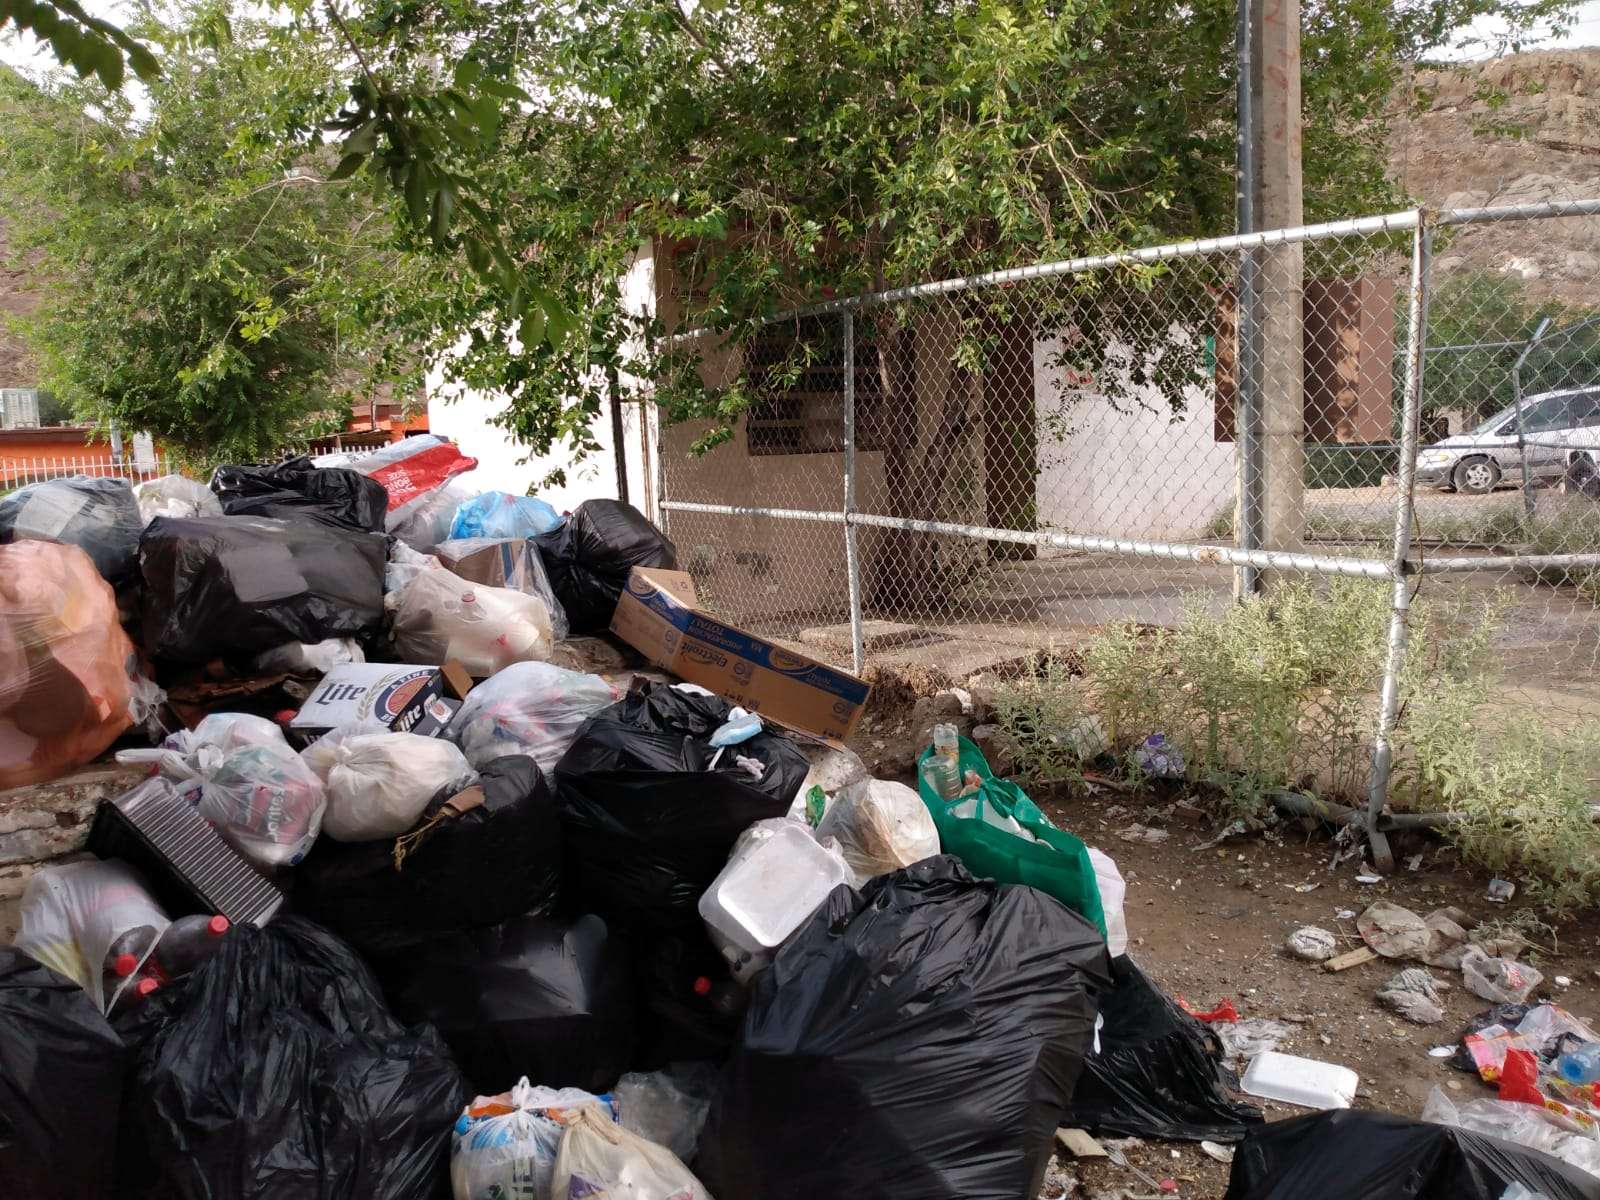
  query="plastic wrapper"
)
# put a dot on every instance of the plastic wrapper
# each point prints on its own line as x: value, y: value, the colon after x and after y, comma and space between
x: 61, y: 1077
x: 274, y: 1071
x: 1001, y: 834
x: 1525, y: 1124
x: 249, y: 783
x: 504, y: 1147
x: 529, y: 708
x: 411, y: 471
x: 920, y: 1036
x: 1157, y: 1072
x: 316, y: 658
x: 505, y: 562
x: 1348, y: 1154
x: 78, y: 917
x: 65, y: 687
x: 1108, y: 881
x: 589, y: 557
x: 427, y: 522
x: 668, y: 1107
x: 475, y: 858
x: 295, y: 490
x: 404, y: 565
x: 378, y: 782
x: 880, y: 826
x: 498, y: 515
x: 236, y: 586
x: 100, y: 516
x: 649, y: 822
x: 600, y: 1158
x: 175, y: 496
x: 538, y: 995
x: 440, y: 616
x: 1500, y: 980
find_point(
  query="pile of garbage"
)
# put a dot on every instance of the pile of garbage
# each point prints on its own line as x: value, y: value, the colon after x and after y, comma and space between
x: 405, y: 907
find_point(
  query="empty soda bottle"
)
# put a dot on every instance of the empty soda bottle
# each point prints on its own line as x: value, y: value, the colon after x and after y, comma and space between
x: 1580, y: 1066
x: 123, y: 957
x: 187, y: 943
x: 725, y: 998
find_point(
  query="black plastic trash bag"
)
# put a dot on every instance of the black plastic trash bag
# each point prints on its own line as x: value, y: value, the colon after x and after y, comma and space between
x: 647, y: 825
x: 1159, y: 1072
x: 235, y: 586
x: 475, y: 858
x: 1351, y: 1155
x: 588, y: 559
x: 61, y: 1075
x: 100, y: 516
x: 536, y: 996
x: 917, y: 1040
x: 296, y: 490
x: 278, y: 1073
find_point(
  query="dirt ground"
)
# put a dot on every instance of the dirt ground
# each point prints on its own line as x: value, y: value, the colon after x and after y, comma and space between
x: 1210, y: 923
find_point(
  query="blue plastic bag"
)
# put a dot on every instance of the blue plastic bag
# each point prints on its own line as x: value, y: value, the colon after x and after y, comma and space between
x: 498, y: 515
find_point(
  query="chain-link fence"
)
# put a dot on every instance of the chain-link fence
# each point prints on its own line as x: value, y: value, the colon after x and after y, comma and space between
x: 967, y: 473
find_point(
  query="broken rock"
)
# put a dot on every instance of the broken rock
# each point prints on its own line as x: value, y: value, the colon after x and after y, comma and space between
x: 1414, y: 994
x: 1392, y: 931
x: 1312, y: 944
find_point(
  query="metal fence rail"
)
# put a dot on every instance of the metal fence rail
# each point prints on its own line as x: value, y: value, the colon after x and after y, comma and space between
x: 1022, y: 456
x: 19, y: 472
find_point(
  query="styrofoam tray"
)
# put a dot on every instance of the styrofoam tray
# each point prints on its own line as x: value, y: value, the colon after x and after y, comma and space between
x: 1295, y: 1080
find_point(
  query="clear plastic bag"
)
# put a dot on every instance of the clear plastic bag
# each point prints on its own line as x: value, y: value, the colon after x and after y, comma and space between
x: 429, y: 519
x: 599, y: 1160
x: 250, y: 784
x: 504, y: 1147
x: 77, y: 919
x: 175, y: 496
x: 499, y: 515
x: 65, y: 687
x: 1525, y: 1124
x: 1112, y: 892
x: 505, y: 562
x: 668, y: 1107
x: 441, y: 616
x: 1500, y: 980
x: 880, y: 826
x: 378, y: 782
x: 528, y: 708
x: 310, y: 658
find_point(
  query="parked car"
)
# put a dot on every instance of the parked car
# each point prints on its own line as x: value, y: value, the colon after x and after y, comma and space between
x: 1555, y: 425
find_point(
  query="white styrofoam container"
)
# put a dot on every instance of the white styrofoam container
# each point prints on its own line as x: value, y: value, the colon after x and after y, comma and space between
x: 769, y: 888
x: 1295, y: 1080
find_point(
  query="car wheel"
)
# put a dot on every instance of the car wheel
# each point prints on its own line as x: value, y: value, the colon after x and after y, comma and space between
x: 1477, y: 476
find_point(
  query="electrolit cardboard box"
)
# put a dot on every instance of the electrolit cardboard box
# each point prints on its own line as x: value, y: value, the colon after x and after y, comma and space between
x: 408, y: 698
x: 657, y: 617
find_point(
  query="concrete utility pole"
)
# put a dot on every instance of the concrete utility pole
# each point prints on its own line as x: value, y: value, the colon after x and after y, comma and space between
x: 1275, y: 87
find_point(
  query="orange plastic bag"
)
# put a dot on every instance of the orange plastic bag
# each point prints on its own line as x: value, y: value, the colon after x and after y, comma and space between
x: 64, y: 662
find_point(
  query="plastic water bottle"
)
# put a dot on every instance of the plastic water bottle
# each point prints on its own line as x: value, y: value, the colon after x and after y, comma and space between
x: 944, y: 764
x: 185, y: 944
x: 1580, y: 1066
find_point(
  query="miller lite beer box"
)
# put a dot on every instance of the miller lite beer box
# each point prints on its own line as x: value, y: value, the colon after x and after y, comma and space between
x: 407, y: 697
x: 657, y: 617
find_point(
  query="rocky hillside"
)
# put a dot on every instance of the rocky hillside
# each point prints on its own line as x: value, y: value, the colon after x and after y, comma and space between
x: 1515, y: 130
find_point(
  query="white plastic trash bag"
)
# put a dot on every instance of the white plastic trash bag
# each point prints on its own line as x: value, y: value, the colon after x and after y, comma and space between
x: 378, y: 782
x: 247, y: 781
x: 599, y: 1159
x: 428, y: 521
x: 79, y: 918
x: 1112, y: 891
x: 441, y: 616
x: 504, y: 1147
x: 667, y: 1107
x: 880, y: 826
x: 310, y: 658
x: 175, y: 496
x: 528, y: 708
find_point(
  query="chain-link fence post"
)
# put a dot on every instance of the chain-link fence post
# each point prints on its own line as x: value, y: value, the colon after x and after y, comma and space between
x: 852, y: 561
x: 1522, y: 436
x: 1404, y: 515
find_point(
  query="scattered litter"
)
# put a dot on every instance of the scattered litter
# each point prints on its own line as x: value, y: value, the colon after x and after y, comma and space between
x: 1414, y: 994
x: 1079, y: 1144
x: 1414, y: 863
x: 1304, y: 1081
x: 1344, y: 914
x: 1224, y: 1011
x: 1392, y: 931
x: 1252, y: 1037
x: 1369, y: 879
x: 1143, y: 833
x: 1354, y: 958
x: 1447, y: 939
x: 1515, y: 1122
x: 1220, y: 1153
x: 1232, y: 829
x: 1563, y: 981
x: 1312, y: 944
x: 1306, y: 887
x: 1500, y: 891
x: 1501, y: 980
x: 1441, y: 1051
x: 1159, y: 758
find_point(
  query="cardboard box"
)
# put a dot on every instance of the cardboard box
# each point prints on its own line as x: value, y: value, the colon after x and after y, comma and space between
x: 657, y: 616
x: 493, y: 562
x: 407, y: 697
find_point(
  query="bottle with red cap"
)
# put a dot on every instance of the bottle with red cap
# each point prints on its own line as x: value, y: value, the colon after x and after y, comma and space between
x: 123, y: 957
x: 725, y: 998
x: 187, y: 943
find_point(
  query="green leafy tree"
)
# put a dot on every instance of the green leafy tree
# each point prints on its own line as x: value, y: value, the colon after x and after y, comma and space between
x: 204, y: 279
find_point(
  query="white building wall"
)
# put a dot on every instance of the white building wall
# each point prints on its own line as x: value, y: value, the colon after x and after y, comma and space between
x: 1138, y: 472
x: 467, y: 417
